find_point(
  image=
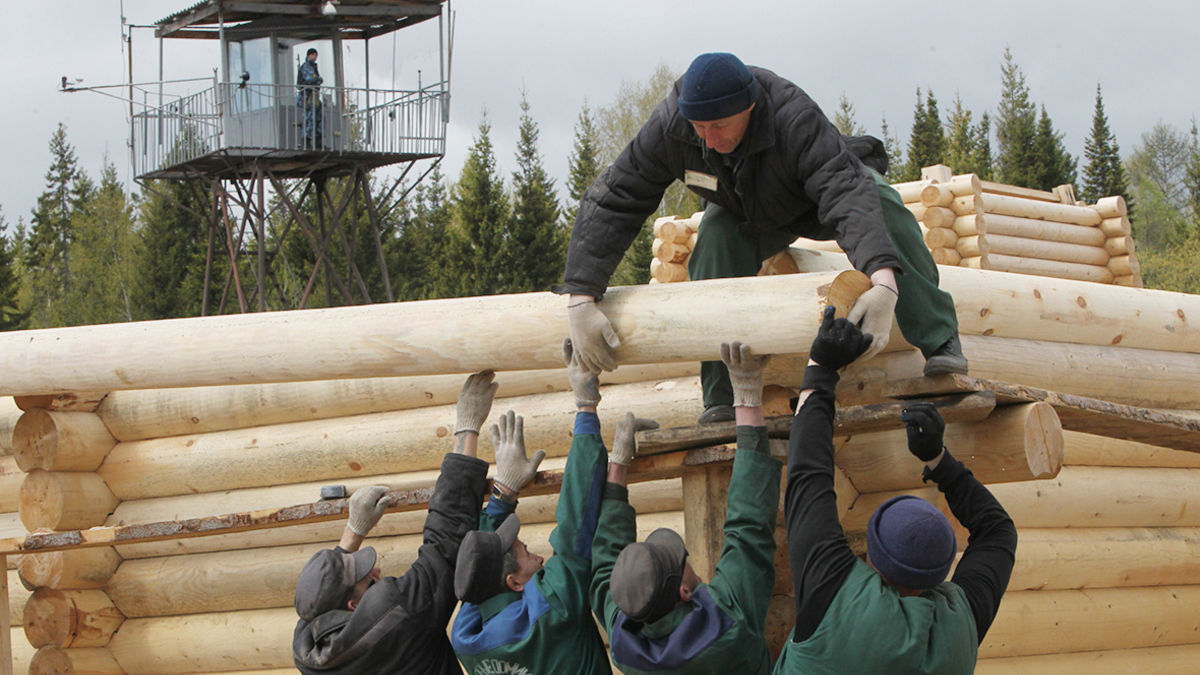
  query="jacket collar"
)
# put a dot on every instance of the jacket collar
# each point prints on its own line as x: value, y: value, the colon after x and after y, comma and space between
x: 496, y: 604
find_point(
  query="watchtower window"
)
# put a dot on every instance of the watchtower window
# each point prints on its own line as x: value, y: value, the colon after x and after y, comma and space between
x: 250, y: 66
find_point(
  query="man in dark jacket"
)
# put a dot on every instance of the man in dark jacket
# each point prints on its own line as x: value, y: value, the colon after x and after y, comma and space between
x: 772, y: 168
x: 308, y: 98
x: 352, y: 621
x: 661, y: 617
x: 894, y: 613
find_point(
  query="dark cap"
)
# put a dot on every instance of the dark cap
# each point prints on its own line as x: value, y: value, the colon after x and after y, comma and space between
x: 911, y: 543
x: 480, y: 567
x: 328, y: 578
x: 716, y: 86
x: 647, y: 576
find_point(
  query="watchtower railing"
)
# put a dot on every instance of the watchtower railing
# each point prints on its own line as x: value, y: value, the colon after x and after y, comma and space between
x: 266, y: 118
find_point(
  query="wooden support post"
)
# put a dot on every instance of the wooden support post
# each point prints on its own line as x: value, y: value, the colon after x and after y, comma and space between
x: 705, y: 493
x: 6, y: 646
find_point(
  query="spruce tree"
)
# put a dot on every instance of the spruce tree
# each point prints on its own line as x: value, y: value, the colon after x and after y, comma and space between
x: 426, y: 270
x: 982, y: 163
x: 11, y: 316
x: 583, y: 165
x: 960, y: 139
x: 1192, y: 176
x: 844, y: 120
x: 891, y: 144
x: 927, y: 144
x: 1052, y: 164
x: 105, y: 258
x: 1016, y: 127
x: 173, y: 247
x: 535, y: 246
x: 1104, y: 173
x: 49, y: 247
x: 481, y: 213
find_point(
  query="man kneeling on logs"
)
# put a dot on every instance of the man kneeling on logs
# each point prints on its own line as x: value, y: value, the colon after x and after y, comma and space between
x: 661, y: 617
x: 353, y: 621
x: 894, y: 613
x: 521, y: 616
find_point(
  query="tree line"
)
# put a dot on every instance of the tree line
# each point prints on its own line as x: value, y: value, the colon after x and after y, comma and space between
x: 96, y: 253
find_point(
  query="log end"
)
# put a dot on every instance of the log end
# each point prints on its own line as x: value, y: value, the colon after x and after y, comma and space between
x: 35, y: 440
x: 844, y: 291
x: 47, y: 618
x: 1044, y: 441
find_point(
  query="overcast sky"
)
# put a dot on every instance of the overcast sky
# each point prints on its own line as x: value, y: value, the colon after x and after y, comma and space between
x: 1144, y: 54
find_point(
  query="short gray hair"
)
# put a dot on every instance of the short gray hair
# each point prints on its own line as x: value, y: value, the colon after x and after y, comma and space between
x: 510, y: 566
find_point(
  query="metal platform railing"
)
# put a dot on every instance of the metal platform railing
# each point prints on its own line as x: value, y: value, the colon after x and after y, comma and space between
x: 266, y: 118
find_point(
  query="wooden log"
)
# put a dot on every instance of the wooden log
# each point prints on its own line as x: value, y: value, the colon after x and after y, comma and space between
x: 668, y: 252
x: 11, y: 526
x: 65, y: 500
x: 69, y: 570
x: 349, y: 342
x: 1046, y: 250
x: 75, y: 619
x: 1025, y: 208
x: 11, y: 478
x: 18, y: 595
x: 138, y: 415
x: 1084, y: 449
x: 9, y: 414
x: 1124, y: 265
x: 1174, y: 660
x: 673, y: 229
x: 780, y: 263
x: 22, y: 651
x: 936, y: 195
x: 911, y: 191
x: 1112, y: 207
x: 201, y: 643
x: 365, y: 445
x: 705, y: 493
x: 972, y: 247
x: 1050, y: 268
x: 691, y: 242
x: 65, y: 402
x: 1082, y: 496
x: 1053, y: 622
x: 936, y: 217
x: 940, y: 237
x: 808, y: 260
x: 1022, y: 192
x: 781, y: 617
x: 1030, y: 228
x: 667, y: 273
x: 975, y: 262
x: 1122, y: 245
x: 946, y: 256
x: 61, y: 441
x: 1015, y: 443
x: 54, y: 661
x: 917, y: 209
x: 1131, y: 281
x: 1116, y: 227
x: 1102, y: 557
x: 938, y: 173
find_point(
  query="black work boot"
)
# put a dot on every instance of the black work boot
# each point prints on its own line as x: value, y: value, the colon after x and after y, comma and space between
x: 716, y: 413
x: 946, y: 359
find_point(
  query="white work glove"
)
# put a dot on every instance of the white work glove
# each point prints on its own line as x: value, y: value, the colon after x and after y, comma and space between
x: 585, y: 383
x: 513, y: 469
x: 873, y: 313
x: 592, y: 335
x: 625, y: 442
x: 366, y: 508
x: 745, y: 373
x: 475, y: 401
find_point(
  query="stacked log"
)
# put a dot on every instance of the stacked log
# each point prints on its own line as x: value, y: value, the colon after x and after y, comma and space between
x: 674, y: 239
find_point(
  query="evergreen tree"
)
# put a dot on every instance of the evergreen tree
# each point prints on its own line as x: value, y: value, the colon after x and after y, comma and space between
x: 1157, y: 176
x: 844, y: 119
x: 1104, y: 174
x: 895, y: 153
x: 535, y: 249
x: 1016, y: 127
x: 173, y: 247
x: 927, y: 144
x: 426, y: 270
x: 584, y: 163
x: 481, y: 213
x: 105, y: 258
x: 981, y: 162
x: 960, y: 139
x: 1052, y: 164
x: 1192, y: 179
x: 11, y: 316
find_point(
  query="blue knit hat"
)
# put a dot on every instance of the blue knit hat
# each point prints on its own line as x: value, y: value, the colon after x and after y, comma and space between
x: 911, y: 543
x: 716, y: 86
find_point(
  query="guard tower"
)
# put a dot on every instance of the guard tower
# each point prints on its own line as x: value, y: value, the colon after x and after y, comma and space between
x: 258, y: 128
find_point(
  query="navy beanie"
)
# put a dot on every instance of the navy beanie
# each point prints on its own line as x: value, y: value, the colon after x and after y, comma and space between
x: 911, y: 543
x: 716, y: 86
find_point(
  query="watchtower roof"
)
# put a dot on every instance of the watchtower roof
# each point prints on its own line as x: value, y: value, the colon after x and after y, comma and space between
x: 354, y: 19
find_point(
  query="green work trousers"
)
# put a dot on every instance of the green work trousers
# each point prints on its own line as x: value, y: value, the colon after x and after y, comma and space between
x: 924, y: 312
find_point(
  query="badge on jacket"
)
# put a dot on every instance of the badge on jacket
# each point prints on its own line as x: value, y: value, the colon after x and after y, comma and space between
x: 703, y: 181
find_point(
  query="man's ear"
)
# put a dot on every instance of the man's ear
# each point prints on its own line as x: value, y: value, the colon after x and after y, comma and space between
x: 351, y: 604
x: 685, y: 593
x: 514, y: 583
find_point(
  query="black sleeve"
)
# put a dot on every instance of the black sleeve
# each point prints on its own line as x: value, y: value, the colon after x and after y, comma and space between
x: 987, y: 563
x: 820, y: 555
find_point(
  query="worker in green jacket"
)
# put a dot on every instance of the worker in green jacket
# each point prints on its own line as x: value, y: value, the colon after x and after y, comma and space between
x: 520, y: 616
x: 661, y: 617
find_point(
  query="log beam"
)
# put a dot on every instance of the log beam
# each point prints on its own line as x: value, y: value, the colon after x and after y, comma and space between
x: 54, y: 661
x: 1106, y: 557
x: 61, y: 441
x: 69, y: 570
x: 65, y: 500
x: 203, y: 643
x: 74, y: 619
x: 1175, y: 660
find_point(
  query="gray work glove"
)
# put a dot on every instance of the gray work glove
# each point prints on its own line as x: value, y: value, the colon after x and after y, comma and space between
x: 745, y: 373
x: 593, y: 336
x: 584, y: 382
x: 366, y: 508
x: 625, y: 442
x: 513, y: 469
x: 874, y: 312
x: 475, y: 401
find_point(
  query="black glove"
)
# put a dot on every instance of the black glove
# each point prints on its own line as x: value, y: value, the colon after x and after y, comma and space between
x: 838, y: 342
x: 925, y: 429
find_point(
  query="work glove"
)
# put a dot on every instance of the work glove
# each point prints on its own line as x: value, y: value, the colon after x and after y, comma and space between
x: 874, y: 312
x: 513, y: 469
x: 585, y: 383
x: 745, y: 373
x: 839, y: 342
x: 475, y: 401
x: 366, y: 508
x: 925, y: 428
x: 625, y: 442
x: 593, y: 336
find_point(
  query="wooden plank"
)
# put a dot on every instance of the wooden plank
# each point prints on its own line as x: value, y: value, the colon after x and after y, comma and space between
x: 657, y: 467
x: 6, y: 655
x: 197, y: 14
x: 1162, y: 428
x: 1014, y: 191
x: 969, y: 407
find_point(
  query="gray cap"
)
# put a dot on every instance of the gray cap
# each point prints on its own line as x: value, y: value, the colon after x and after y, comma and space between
x: 647, y: 576
x: 477, y: 576
x: 328, y: 578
